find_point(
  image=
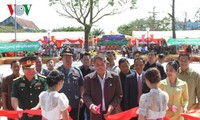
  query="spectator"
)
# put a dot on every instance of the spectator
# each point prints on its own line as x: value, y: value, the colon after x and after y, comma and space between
x: 152, y: 63
x: 124, y: 67
x: 111, y: 58
x: 50, y: 64
x: 6, y: 87
x: 85, y: 69
x: 192, y: 78
x: 135, y: 85
x: 39, y: 67
x: 161, y: 58
x: 123, y: 51
x: 92, y: 61
x: 136, y: 54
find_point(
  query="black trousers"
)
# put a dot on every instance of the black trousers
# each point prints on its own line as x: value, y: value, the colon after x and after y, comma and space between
x: 82, y: 113
x: 74, y: 113
x: 25, y: 117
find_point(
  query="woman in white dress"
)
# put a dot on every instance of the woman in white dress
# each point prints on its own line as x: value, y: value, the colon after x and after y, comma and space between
x: 153, y: 105
x: 53, y: 104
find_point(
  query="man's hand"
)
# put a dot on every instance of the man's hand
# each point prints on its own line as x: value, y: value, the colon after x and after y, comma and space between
x: 185, y: 110
x: 81, y: 102
x: 94, y: 109
x: 110, y: 109
x: 34, y: 108
x: 20, y: 113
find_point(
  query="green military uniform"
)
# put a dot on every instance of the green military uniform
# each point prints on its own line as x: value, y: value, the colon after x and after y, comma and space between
x: 27, y: 92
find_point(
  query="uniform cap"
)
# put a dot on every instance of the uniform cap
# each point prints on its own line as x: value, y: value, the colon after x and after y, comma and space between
x: 66, y: 51
x: 28, y: 62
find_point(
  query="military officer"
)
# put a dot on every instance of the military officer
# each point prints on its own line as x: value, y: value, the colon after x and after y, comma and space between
x: 73, y: 85
x: 26, y: 89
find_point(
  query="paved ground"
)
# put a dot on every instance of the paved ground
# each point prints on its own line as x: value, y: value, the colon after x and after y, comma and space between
x: 5, y: 69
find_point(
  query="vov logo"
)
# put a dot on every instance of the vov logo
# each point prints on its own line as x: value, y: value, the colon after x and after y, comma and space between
x: 19, y: 9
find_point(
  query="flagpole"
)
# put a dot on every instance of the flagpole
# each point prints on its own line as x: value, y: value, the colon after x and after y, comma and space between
x: 15, y: 24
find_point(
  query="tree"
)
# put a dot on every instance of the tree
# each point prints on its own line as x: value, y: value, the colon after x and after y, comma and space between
x: 68, y: 29
x: 88, y: 12
x: 173, y: 19
x: 97, y: 31
x: 142, y: 24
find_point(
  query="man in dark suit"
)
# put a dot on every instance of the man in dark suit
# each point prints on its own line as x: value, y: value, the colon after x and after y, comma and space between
x: 124, y: 71
x: 135, y: 85
x: 103, y: 91
x: 6, y: 87
x: 85, y: 68
x: 152, y: 63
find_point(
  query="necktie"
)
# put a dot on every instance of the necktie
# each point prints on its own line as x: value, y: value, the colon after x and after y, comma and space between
x: 139, y: 88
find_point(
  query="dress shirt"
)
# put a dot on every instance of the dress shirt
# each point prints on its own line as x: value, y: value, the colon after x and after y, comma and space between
x: 102, y: 81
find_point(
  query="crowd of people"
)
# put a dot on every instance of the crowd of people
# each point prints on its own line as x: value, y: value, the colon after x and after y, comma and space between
x: 99, y: 87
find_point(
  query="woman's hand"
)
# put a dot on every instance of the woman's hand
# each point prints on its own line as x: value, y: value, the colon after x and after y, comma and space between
x: 185, y: 110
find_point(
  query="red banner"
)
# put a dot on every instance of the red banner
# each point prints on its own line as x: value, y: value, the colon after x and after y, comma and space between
x: 74, y: 41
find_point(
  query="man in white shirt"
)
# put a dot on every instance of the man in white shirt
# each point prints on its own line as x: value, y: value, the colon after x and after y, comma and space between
x: 111, y: 57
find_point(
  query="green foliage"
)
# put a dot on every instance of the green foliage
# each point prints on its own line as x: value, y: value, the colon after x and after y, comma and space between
x: 10, y: 29
x: 97, y: 32
x: 89, y: 12
x: 142, y: 24
x: 36, y: 30
x: 68, y: 29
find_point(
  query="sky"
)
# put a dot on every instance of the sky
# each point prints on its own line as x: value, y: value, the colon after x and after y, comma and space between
x: 45, y: 17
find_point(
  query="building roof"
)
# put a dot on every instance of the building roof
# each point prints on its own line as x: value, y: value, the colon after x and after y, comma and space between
x: 21, y: 22
x: 26, y: 23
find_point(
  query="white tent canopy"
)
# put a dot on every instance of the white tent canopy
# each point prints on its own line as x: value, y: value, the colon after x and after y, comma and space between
x: 7, y: 37
x: 167, y: 34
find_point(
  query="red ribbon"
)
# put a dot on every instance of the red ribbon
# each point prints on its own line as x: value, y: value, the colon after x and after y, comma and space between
x: 192, y: 114
x: 15, y: 114
x: 126, y: 115
x: 9, y: 114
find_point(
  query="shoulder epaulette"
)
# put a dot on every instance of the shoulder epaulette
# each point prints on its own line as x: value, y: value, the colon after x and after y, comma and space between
x: 77, y: 68
x: 41, y: 75
x: 16, y: 78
